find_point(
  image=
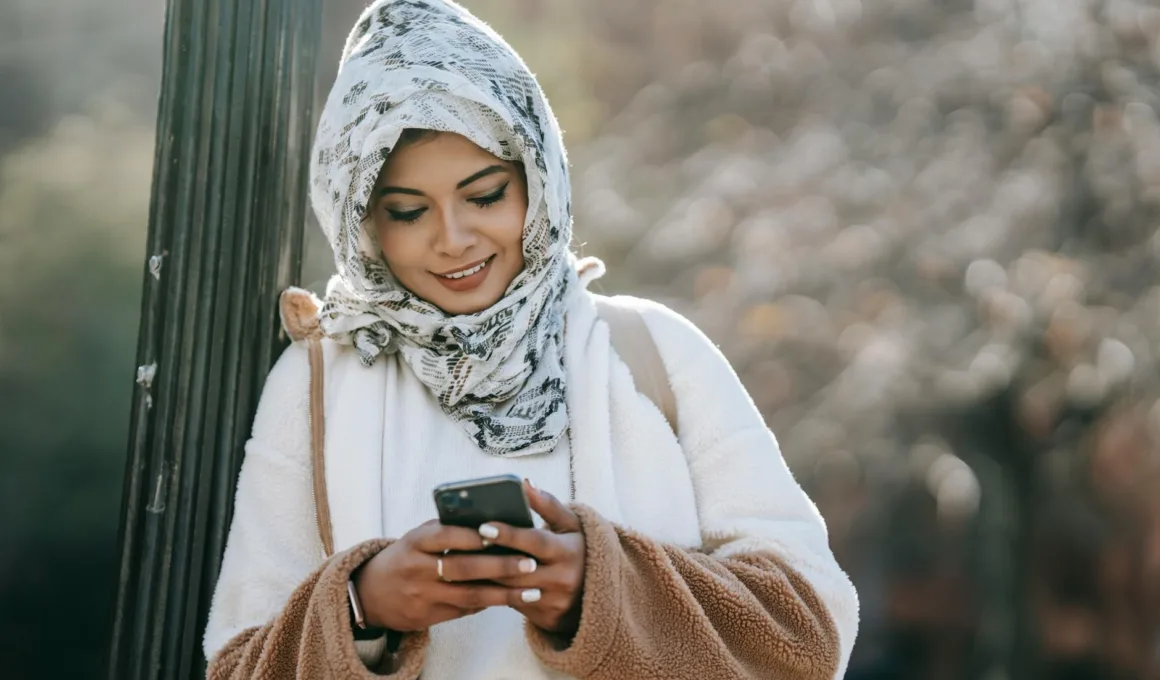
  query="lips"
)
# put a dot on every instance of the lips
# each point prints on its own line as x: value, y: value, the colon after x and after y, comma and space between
x: 466, y: 271
x: 466, y: 278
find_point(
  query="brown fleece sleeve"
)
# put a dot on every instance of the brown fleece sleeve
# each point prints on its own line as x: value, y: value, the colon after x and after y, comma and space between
x: 311, y: 638
x: 651, y: 610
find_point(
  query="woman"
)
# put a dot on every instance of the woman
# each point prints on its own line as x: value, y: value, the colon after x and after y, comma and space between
x: 461, y: 342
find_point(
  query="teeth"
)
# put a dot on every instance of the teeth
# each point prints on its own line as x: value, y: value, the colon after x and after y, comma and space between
x: 467, y: 272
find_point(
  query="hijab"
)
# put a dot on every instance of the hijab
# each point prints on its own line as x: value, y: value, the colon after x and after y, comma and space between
x: 430, y: 64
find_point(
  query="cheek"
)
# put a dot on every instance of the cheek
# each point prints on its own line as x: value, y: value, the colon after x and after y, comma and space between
x: 510, y: 230
x: 513, y: 232
x: 401, y: 248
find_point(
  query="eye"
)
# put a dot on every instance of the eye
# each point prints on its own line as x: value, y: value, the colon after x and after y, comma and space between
x: 406, y: 216
x: 492, y: 198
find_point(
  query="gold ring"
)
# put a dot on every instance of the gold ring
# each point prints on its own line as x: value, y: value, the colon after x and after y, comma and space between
x: 439, y: 568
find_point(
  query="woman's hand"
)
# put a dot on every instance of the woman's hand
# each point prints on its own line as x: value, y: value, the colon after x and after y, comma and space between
x: 402, y: 589
x: 550, y: 596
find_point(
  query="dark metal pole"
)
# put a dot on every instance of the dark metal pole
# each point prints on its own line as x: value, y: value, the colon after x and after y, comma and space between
x: 225, y: 236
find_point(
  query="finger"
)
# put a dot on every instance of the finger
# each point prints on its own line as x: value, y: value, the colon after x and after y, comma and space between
x: 547, y: 578
x: 539, y: 543
x: 558, y: 516
x: 485, y: 567
x: 549, y: 613
x: 435, y: 538
x: 472, y: 597
x: 524, y: 600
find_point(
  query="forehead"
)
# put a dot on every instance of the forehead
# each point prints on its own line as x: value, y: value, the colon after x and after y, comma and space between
x: 442, y: 157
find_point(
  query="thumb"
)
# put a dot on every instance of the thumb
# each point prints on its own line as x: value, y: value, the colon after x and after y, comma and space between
x: 558, y: 517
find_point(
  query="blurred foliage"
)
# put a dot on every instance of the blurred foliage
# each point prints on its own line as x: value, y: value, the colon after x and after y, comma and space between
x: 924, y: 232
x: 77, y: 85
x: 69, y: 284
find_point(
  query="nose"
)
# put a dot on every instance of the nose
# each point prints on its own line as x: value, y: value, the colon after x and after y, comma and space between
x: 455, y: 235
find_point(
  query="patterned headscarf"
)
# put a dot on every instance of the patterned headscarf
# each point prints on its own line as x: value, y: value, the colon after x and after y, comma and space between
x: 432, y: 65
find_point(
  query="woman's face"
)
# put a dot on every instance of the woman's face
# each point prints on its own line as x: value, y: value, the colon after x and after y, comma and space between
x: 450, y: 220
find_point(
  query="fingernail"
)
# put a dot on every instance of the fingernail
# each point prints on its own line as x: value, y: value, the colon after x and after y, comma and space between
x: 489, y: 531
x: 532, y: 595
x: 527, y: 565
x: 533, y: 486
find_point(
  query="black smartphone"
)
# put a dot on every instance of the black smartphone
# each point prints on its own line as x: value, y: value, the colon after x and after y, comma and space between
x: 475, y: 501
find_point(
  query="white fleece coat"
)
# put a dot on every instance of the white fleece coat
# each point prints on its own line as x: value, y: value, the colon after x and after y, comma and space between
x: 724, y: 488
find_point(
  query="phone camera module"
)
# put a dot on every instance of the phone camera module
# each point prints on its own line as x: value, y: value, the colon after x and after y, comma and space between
x: 454, y: 503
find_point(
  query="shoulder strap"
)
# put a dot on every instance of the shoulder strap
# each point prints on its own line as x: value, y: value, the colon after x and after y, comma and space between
x: 318, y: 446
x: 299, y: 310
x: 633, y: 341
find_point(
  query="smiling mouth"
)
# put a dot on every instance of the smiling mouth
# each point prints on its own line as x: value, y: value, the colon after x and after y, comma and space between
x: 469, y: 271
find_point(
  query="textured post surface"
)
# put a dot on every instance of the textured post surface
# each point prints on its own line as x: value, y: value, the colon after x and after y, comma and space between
x: 225, y: 236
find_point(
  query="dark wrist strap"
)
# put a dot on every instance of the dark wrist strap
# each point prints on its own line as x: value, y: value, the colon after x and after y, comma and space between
x: 394, y: 639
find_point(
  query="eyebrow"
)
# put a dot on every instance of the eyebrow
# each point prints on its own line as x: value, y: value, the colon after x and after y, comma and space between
x: 489, y: 170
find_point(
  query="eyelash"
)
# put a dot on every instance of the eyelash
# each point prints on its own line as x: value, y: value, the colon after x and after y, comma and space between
x: 482, y: 201
x: 492, y: 198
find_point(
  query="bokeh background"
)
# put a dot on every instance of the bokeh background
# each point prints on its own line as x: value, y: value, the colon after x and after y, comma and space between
x: 924, y: 231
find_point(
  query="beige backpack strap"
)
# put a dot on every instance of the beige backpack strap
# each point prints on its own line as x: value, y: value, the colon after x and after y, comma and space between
x: 633, y: 341
x: 318, y: 446
x: 299, y: 310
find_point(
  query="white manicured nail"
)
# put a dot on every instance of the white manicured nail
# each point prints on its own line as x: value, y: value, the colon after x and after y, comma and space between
x: 532, y: 595
x: 527, y: 565
x: 489, y: 531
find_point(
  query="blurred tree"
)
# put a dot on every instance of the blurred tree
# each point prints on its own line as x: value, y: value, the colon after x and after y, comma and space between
x: 70, y: 209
